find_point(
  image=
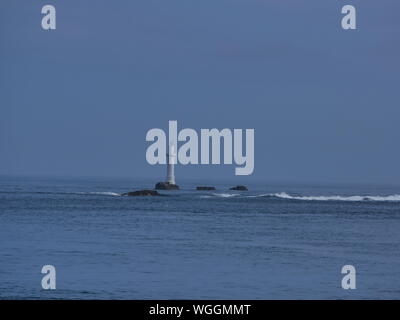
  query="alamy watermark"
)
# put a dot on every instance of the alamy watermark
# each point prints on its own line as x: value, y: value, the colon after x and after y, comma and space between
x: 230, y: 141
x: 349, y: 280
x: 348, y: 21
x: 49, y: 280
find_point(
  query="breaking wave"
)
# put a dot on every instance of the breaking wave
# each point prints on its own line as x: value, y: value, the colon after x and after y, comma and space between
x: 104, y: 193
x: 226, y: 195
x: 284, y: 195
x: 220, y: 195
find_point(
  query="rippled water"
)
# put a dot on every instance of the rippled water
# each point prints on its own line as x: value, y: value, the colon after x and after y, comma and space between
x: 274, y: 241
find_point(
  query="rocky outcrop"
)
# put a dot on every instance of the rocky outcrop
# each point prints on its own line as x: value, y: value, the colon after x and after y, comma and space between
x: 205, y: 188
x: 166, y: 186
x: 239, y: 188
x: 141, y: 193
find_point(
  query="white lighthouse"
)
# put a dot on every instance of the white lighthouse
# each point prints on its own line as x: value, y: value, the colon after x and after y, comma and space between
x: 169, y: 184
x: 171, y: 163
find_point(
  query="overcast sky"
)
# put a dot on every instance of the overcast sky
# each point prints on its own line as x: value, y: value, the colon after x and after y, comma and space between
x: 324, y: 102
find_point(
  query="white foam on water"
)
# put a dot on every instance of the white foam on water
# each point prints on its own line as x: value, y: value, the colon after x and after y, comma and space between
x: 105, y: 193
x: 205, y: 197
x: 284, y: 195
x: 226, y: 195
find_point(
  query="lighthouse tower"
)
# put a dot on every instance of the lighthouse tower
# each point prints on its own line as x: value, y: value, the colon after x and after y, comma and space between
x: 170, y: 166
x: 169, y: 184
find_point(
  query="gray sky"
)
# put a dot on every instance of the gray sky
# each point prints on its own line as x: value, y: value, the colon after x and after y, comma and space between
x: 324, y: 102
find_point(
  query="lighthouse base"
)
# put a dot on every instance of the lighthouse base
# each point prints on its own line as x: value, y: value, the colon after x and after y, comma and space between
x: 166, y: 186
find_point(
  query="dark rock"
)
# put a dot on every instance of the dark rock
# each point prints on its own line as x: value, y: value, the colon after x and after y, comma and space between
x: 141, y: 193
x: 239, y: 188
x: 205, y: 188
x: 166, y: 186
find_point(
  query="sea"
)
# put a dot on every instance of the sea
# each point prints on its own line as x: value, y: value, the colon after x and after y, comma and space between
x: 274, y: 241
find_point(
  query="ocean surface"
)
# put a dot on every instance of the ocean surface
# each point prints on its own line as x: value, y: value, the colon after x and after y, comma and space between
x: 271, y: 242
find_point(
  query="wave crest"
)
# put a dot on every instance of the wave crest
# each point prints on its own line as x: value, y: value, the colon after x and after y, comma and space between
x: 226, y: 195
x: 220, y: 195
x: 284, y: 195
x: 104, y: 193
